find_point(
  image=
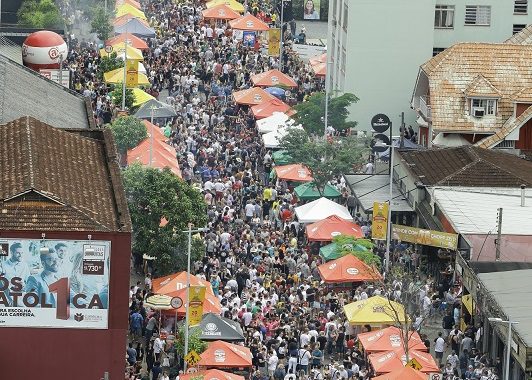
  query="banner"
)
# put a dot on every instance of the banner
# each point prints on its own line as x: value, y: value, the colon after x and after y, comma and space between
x: 54, y: 283
x: 274, y: 42
x: 132, y: 73
x: 425, y: 237
x: 248, y: 38
x: 379, y: 224
x: 53, y: 74
x: 196, y: 297
x: 311, y: 9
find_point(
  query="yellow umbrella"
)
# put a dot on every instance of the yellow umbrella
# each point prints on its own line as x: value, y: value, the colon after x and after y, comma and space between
x: 117, y: 76
x: 233, y: 4
x: 375, y: 311
x: 127, y: 8
x: 132, y: 53
x: 141, y: 97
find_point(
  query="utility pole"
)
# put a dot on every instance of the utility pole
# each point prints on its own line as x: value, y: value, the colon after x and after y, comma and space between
x: 402, y: 141
x: 499, y: 233
x: 281, y: 47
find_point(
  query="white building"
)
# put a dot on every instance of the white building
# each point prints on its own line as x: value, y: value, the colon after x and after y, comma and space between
x: 376, y: 47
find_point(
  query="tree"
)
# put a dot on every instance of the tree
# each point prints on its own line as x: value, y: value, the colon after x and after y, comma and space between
x: 128, y: 132
x: 194, y: 341
x: 116, y: 95
x: 348, y: 245
x: 101, y: 23
x: 325, y: 158
x: 156, y: 194
x: 310, y: 113
x: 39, y: 14
x: 109, y: 63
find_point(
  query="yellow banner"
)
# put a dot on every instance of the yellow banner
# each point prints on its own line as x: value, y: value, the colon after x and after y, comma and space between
x: 379, y: 224
x: 274, y: 42
x: 132, y: 73
x: 425, y: 237
x: 196, y: 296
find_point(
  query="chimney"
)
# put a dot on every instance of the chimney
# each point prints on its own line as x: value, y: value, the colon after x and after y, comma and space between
x: 523, y: 195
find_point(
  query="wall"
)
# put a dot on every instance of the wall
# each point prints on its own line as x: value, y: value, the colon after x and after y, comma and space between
x: 51, y: 354
x: 513, y: 247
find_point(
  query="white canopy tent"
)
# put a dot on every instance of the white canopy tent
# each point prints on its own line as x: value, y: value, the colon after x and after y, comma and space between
x: 272, y: 139
x: 450, y: 140
x: 274, y: 122
x: 320, y: 209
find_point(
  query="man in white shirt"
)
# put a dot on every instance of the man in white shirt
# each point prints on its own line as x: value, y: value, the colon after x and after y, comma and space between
x: 439, y: 348
x: 247, y: 317
x: 158, y: 347
x: 304, y: 338
x: 304, y: 358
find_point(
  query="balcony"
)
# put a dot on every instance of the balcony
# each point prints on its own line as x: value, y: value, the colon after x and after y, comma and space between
x: 424, y: 107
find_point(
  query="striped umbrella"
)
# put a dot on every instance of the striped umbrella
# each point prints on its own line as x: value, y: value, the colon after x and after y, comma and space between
x: 159, y: 302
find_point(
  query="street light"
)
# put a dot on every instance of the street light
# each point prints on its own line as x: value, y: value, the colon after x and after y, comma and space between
x: 508, y: 343
x: 187, y: 300
x: 390, y: 197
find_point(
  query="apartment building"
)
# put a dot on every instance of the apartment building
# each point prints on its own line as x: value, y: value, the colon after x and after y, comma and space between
x: 376, y: 47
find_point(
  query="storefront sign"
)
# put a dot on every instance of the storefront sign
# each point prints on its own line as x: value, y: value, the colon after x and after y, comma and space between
x: 54, y: 283
x: 379, y: 225
x: 425, y: 237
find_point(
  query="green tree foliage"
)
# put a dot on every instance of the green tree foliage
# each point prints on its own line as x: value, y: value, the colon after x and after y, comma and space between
x: 194, y: 341
x: 360, y: 248
x: 325, y: 158
x: 128, y: 132
x: 156, y: 194
x: 109, y: 63
x: 310, y: 113
x: 101, y: 23
x: 116, y: 95
x: 40, y: 14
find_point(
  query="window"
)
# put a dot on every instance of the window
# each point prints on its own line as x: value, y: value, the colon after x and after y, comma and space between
x: 436, y: 51
x: 518, y: 27
x: 346, y: 12
x: 521, y: 7
x: 506, y: 144
x: 477, y: 15
x: 481, y: 107
x: 444, y: 16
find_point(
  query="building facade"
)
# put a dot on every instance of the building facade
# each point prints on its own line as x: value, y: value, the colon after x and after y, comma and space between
x: 376, y: 48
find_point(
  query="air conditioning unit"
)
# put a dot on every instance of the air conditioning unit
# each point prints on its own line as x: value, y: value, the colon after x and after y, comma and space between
x: 479, y: 111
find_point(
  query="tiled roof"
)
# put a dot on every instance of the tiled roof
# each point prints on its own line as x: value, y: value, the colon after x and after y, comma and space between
x: 524, y: 37
x: 505, y: 71
x: 59, y: 180
x: 468, y: 166
x: 508, y: 127
x: 524, y: 95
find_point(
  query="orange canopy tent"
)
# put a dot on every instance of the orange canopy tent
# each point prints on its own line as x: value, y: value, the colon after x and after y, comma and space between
x: 385, y: 362
x: 133, y: 3
x: 221, y: 354
x: 294, y: 173
x: 156, y: 154
x: 322, y: 58
x: 211, y: 374
x: 220, y: 12
x: 389, y: 339
x: 249, y: 22
x: 326, y: 229
x: 131, y: 39
x: 177, y: 281
x: 320, y: 69
x: 405, y: 373
x: 267, y: 108
x: 125, y: 18
x: 347, y: 269
x: 273, y: 78
x: 211, y: 304
x: 252, y: 96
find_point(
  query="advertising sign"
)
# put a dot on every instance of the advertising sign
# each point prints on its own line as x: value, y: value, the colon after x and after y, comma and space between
x: 311, y: 9
x: 53, y: 74
x: 425, y: 237
x: 54, y: 283
x: 196, y: 296
x: 248, y: 38
x: 274, y: 42
x: 132, y: 73
x: 379, y: 225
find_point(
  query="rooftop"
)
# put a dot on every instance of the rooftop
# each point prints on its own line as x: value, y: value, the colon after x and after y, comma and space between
x: 467, y: 166
x: 59, y: 180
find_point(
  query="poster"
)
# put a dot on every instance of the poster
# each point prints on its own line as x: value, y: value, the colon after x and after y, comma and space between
x: 132, y: 73
x: 311, y: 9
x: 274, y: 42
x: 196, y: 296
x: 54, y: 283
x: 379, y: 224
x: 53, y: 75
x: 248, y: 38
x: 425, y: 237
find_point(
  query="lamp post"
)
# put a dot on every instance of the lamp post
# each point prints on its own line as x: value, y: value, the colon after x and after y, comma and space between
x: 508, y: 344
x: 390, y: 197
x: 327, y: 85
x: 281, y: 46
x: 187, y: 296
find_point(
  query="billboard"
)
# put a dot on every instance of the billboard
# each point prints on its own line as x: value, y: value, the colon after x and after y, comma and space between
x: 425, y: 237
x: 311, y: 9
x: 54, y: 283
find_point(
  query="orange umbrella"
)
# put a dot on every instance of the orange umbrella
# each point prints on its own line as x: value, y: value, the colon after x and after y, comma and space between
x: 320, y: 69
x: 266, y: 109
x: 252, y: 96
x: 347, y: 269
x: 326, y: 229
x: 221, y: 354
x: 294, y: 173
x: 177, y: 281
x: 249, y: 22
x: 322, y: 58
x: 125, y: 18
x: 385, y: 362
x: 211, y: 374
x: 133, y: 3
x: 405, y: 373
x: 156, y: 153
x: 273, y: 78
x: 211, y: 304
x: 220, y: 12
x: 389, y: 339
x: 131, y: 39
